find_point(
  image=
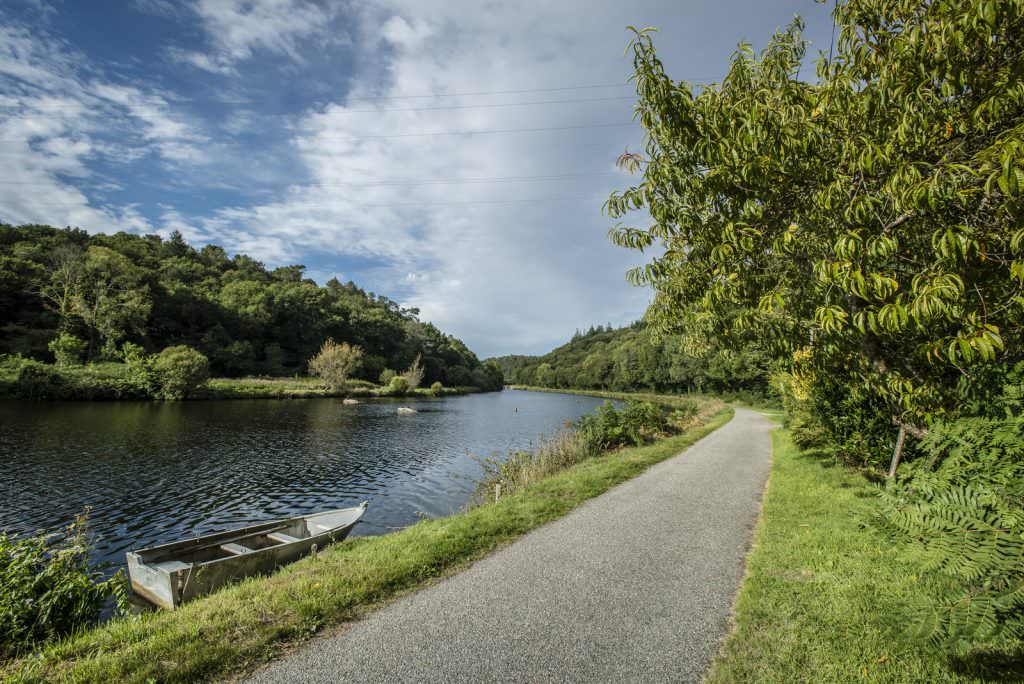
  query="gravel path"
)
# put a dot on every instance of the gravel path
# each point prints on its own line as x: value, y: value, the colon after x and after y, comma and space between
x: 635, y: 585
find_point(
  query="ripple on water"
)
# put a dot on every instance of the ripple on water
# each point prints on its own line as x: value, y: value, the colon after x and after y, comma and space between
x: 155, y: 472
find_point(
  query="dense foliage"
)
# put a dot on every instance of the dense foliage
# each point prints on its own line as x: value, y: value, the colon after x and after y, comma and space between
x: 867, y: 224
x: 639, y: 422
x: 631, y: 359
x: 59, y: 285
x: 964, y: 504
x: 48, y: 589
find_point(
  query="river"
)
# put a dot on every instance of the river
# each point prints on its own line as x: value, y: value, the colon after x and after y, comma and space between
x: 154, y: 472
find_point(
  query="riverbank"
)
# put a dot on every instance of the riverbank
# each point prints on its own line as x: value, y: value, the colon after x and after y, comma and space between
x: 825, y: 598
x: 309, y: 388
x: 236, y: 630
x: 757, y: 402
x: 666, y: 399
x: 120, y: 381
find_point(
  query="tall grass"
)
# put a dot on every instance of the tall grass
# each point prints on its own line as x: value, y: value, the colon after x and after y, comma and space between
x: 640, y: 422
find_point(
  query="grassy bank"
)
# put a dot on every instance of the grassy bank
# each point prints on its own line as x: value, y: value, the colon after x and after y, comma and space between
x: 824, y: 598
x: 304, y: 388
x: 253, y: 622
x: 109, y: 381
x: 749, y: 399
x: 667, y: 399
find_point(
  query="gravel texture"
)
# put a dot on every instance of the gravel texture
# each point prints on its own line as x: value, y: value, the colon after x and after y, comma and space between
x: 635, y: 585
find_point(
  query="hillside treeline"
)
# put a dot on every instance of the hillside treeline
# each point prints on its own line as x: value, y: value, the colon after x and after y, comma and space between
x: 631, y: 359
x: 122, y: 289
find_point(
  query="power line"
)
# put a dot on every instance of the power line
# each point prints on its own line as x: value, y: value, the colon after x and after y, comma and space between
x: 466, y: 94
x: 388, y: 98
x: 528, y: 200
x: 351, y: 136
x: 373, y: 183
x: 476, y: 132
x: 487, y: 105
x: 482, y: 106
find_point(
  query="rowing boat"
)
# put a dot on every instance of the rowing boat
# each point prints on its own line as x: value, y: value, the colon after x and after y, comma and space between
x: 171, y: 574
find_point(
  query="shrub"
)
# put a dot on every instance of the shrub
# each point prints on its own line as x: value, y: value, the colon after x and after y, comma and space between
x: 399, y: 385
x: 386, y: 375
x: 335, y: 362
x: 68, y: 350
x: 37, y: 380
x: 179, y: 371
x: 436, y: 388
x: 414, y: 373
x: 132, y: 353
x: 607, y: 428
x: 48, y: 589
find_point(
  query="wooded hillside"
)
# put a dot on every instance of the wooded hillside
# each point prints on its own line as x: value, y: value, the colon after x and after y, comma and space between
x: 113, y: 290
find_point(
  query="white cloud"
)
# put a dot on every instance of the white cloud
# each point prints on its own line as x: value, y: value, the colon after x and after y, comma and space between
x: 398, y: 31
x: 57, y: 116
x: 237, y: 29
x: 505, y: 275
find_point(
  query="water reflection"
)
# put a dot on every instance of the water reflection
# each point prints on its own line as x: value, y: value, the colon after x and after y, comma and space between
x: 155, y: 472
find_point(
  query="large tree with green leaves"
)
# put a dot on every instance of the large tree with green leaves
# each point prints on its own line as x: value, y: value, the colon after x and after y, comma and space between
x: 871, y: 218
x: 869, y: 222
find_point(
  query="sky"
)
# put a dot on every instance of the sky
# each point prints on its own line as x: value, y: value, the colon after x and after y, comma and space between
x: 451, y: 155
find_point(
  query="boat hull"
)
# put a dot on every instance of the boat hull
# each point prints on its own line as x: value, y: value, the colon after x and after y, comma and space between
x: 173, y: 574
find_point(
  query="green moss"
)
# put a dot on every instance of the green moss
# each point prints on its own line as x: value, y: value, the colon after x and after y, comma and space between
x: 824, y: 598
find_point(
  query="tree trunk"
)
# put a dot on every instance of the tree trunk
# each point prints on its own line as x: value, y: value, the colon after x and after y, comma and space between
x: 897, y: 453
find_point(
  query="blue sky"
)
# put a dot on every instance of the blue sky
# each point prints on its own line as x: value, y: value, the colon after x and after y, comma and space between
x: 452, y: 155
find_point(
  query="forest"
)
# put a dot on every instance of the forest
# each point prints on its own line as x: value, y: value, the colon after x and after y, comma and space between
x: 633, y: 359
x: 120, y: 295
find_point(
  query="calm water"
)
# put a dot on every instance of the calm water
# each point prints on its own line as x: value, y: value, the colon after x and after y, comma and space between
x: 156, y: 472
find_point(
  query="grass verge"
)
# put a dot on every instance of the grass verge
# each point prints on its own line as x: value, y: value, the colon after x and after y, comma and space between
x: 824, y: 598
x: 242, y: 627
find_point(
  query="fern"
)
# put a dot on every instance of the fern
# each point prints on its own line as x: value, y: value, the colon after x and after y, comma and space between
x: 963, y: 506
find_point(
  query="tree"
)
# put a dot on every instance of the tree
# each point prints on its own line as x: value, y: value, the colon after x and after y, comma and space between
x: 871, y: 218
x: 335, y: 362
x: 545, y: 375
x: 65, y: 266
x: 110, y: 297
x: 414, y: 373
x: 868, y: 224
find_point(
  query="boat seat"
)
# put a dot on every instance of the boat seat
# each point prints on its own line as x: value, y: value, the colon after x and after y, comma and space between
x: 236, y: 549
x: 282, y: 537
x: 322, y: 527
x: 172, y: 565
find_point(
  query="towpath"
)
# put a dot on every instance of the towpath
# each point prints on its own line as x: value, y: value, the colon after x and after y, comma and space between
x: 636, y: 585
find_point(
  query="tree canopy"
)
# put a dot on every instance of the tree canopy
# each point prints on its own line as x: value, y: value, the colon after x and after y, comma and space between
x: 868, y: 224
x: 870, y: 219
x: 631, y: 359
x: 110, y: 290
